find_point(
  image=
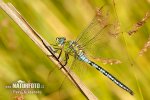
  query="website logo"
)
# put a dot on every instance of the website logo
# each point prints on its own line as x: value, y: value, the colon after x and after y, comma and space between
x: 22, y: 87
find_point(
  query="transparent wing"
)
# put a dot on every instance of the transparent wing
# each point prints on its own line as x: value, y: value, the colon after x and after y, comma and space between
x: 101, y: 40
x: 99, y: 35
x: 100, y: 27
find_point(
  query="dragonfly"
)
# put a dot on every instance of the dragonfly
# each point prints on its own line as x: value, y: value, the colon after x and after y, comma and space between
x: 99, y: 27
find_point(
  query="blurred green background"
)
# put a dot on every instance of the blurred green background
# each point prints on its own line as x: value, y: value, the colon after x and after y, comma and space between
x: 21, y: 59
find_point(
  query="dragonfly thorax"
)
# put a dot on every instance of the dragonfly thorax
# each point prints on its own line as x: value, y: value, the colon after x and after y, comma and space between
x: 72, y: 48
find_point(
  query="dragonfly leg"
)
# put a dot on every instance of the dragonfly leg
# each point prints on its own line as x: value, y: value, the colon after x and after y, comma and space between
x: 67, y: 57
x: 55, y: 51
x: 60, y: 53
x: 48, y: 47
x: 66, y: 60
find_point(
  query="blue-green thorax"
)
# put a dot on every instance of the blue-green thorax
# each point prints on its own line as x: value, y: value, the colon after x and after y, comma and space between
x: 72, y: 48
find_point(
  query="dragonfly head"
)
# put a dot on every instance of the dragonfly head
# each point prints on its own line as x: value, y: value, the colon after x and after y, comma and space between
x: 60, y: 40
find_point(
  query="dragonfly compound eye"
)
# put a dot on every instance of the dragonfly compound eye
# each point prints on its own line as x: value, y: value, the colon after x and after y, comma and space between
x: 60, y: 40
x: 57, y: 39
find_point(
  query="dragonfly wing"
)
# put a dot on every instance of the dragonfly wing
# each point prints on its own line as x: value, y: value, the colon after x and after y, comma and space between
x: 99, y: 28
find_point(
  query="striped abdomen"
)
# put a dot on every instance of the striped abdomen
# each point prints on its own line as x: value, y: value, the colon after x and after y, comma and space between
x: 106, y: 73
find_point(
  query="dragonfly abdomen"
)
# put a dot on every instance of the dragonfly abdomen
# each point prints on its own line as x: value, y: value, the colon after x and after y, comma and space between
x: 106, y: 73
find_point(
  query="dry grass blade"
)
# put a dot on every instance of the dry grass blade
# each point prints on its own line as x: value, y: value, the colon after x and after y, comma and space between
x: 104, y: 20
x: 108, y: 60
x: 115, y: 29
x: 101, y: 17
x: 145, y: 48
x: 139, y: 24
x: 45, y: 47
x: 19, y: 97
